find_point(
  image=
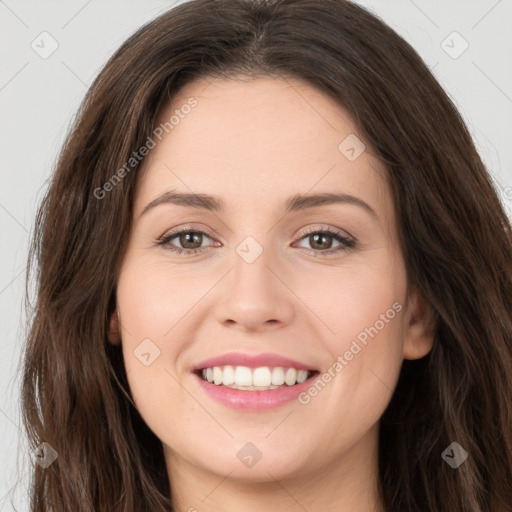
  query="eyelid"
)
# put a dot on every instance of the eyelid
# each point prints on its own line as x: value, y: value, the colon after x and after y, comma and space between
x: 328, y: 229
x: 189, y: 227
x: 207, y: 231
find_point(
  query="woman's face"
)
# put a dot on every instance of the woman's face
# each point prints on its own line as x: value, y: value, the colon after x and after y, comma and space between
x: 270, y: 295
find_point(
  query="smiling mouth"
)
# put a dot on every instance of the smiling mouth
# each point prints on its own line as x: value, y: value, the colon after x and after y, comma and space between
x: 254, y: 379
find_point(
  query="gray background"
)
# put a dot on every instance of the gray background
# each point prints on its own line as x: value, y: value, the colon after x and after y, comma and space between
x: 38, y: 97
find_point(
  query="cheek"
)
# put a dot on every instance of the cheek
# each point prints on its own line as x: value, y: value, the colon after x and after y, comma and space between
x: 154, y: 298
x: 146, y: 315
x: 366, y: 312
x: 366, y: 360
x: 369, y: 311
x: 356, y: 303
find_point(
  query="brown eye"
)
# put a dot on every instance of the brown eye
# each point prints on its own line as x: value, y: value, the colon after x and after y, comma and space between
x: 190, y: 239
x: 322, y: 240
x: 187, y: 240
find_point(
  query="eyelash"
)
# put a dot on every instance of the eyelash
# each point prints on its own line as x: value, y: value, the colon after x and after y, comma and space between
x: 347, y: 243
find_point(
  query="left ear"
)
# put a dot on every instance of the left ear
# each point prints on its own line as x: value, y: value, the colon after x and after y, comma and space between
x: 114, y: 335
x: 421, y: 326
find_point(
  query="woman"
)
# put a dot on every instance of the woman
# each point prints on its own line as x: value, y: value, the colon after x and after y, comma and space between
x: 273, y: 272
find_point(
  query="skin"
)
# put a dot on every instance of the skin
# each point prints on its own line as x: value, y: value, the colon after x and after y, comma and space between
x: 255, y: 143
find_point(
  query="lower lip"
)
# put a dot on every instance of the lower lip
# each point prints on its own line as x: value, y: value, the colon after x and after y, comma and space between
x: 254, y: 400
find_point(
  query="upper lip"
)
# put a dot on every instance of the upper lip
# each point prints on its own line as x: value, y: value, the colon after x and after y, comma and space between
x: 251, y: 361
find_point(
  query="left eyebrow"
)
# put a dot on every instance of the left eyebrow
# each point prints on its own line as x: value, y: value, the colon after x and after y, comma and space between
x: 294, y: 203
x: 192, y: 200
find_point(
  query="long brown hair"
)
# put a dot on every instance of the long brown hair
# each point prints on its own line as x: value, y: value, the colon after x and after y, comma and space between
x: 454, y: 235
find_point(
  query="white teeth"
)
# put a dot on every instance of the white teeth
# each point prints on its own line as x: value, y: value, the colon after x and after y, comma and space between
x: 302, y: 375
x: 254, y: 379
x: 228, y: 376
x: 217, y: 375
x: 252, y: 388
x: 243, y: 376
x: 290, y: 377
x: 261, y: 377
x: 278, y: 376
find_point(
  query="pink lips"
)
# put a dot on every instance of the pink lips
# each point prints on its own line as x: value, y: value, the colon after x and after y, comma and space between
x: 239, y: 359
x: 252, y: 400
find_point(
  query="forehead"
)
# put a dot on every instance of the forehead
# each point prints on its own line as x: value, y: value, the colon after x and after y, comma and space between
x: 254, y: 141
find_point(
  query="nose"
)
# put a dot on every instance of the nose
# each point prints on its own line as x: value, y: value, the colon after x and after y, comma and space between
x: 255, y: 297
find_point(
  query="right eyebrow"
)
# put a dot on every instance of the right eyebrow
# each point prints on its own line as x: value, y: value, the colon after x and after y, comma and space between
x: 301, y: 202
